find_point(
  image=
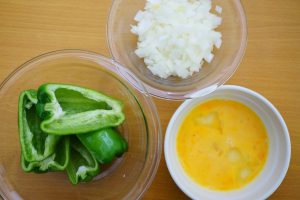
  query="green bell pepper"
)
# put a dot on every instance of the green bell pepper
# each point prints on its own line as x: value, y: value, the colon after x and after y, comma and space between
x: 36, y: 145
x: 58, y: 161
x: 67, y: 109
x: 105, y: 144
x: 82, y: 166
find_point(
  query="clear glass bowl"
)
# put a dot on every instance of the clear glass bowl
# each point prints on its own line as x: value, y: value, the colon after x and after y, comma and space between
x: 122, y: 44
x: 128, y: 177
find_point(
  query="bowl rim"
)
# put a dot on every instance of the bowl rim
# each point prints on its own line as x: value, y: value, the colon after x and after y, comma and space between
x: 152, y: 160
x: 198, y: 91
x: 259, y: 97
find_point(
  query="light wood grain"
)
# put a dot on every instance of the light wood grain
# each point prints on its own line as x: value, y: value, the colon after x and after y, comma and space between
x: 271, y: 65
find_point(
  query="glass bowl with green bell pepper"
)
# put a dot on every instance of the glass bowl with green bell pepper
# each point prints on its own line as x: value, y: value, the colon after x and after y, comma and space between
x: 103, y: 141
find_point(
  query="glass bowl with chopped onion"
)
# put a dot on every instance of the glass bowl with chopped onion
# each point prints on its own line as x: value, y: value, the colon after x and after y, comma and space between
x: 179, y: 49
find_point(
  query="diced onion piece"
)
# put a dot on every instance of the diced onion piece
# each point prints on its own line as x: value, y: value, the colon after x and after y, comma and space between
x: 218, y: 9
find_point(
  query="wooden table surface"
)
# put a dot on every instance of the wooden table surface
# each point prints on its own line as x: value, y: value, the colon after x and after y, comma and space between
x: 271, y: 65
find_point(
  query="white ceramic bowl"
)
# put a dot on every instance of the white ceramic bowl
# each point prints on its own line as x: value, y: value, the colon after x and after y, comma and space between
x: 277, y: 162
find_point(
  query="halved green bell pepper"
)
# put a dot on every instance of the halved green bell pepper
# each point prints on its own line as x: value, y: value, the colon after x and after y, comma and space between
x: 67, y: 109
x: 82, y: 166
x: 57, y: 161
x: 105, y: 144
x: 36, y: 145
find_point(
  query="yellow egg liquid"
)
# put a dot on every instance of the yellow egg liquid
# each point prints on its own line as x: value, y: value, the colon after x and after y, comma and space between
x: 222, y: 144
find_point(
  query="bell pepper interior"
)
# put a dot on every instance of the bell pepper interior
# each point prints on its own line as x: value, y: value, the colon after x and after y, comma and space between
x: 61, y: 152
x: 73, y: 102
x: 54, y: 162
x: 34, y: 126
x: 80, y: 155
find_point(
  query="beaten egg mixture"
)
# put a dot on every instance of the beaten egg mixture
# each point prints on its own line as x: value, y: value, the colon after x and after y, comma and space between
x: 222, y: 144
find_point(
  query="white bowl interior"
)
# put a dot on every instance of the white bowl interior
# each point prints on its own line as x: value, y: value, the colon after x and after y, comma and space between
x: 279, y: 147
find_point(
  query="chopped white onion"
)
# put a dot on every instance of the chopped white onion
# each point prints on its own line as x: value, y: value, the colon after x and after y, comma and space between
x: 176, y: 36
